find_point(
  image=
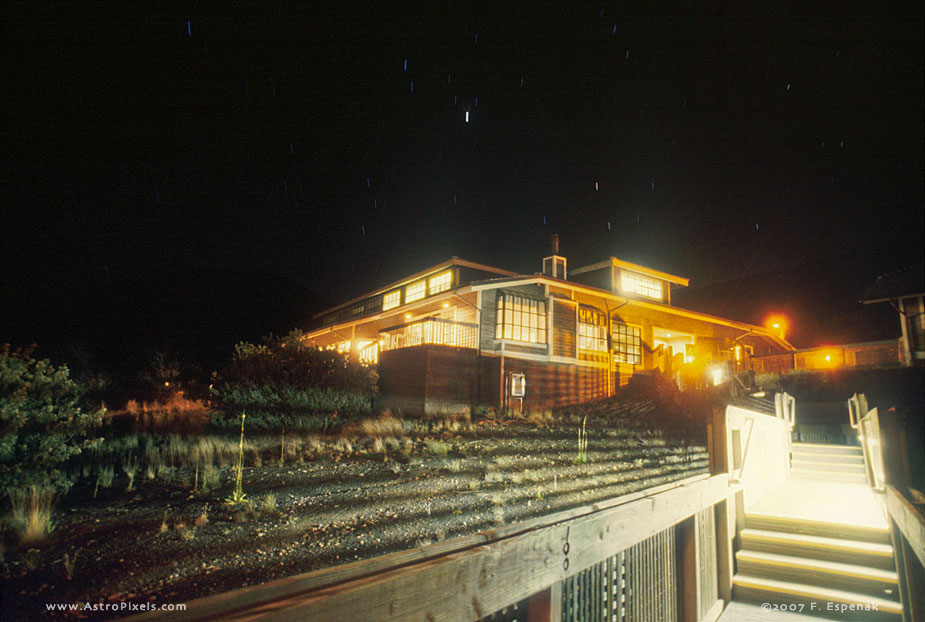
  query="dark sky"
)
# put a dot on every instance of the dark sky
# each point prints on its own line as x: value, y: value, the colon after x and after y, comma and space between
x: 328, y: 142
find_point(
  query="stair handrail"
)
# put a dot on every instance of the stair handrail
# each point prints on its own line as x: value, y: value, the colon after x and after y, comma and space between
x: 857, y: 409
x: 785, y: 407
x: 867, y: 423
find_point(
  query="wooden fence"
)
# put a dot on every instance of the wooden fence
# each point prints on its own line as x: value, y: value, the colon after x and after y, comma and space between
x: 663, y: 554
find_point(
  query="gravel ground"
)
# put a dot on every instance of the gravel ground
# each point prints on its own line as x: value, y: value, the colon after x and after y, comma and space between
x: 165, y: 544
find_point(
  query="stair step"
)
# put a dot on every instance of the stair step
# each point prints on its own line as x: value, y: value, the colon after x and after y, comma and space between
x: 829, y: 458
x: 818, y: 448
x: 860, y: 579
x: 818, y: 600
x: 829, y: 476
x: 789, y: 524
x: 832, y: 467
x: 870, y: 554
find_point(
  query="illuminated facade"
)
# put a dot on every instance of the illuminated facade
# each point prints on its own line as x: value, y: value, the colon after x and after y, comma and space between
x: 460, y: 335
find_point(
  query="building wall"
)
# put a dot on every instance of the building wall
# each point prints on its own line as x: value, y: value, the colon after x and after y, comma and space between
x: 564, y: 328
x: 556, y: 384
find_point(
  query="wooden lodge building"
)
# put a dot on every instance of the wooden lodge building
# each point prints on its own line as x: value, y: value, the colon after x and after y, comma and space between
x: 460, y: 335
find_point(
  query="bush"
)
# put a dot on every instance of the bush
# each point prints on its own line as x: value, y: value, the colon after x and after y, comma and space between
x: 286, y: 385
x: 42, y: 423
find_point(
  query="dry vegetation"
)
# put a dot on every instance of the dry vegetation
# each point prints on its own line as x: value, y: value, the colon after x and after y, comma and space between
x: 161, y: 525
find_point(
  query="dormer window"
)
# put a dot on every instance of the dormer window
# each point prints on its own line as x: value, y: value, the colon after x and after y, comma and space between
x: 439, y: 283
x: 415, y: 291
x: 633, y: 283
x: 391, y: 300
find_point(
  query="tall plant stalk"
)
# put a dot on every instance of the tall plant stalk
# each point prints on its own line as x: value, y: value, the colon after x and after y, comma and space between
x: 238, y: 494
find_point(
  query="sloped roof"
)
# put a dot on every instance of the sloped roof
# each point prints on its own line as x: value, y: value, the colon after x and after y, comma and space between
x: 898, y: 284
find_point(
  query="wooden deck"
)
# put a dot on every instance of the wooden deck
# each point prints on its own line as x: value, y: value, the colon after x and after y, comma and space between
x: 746, y: 612
x: 824, y: 502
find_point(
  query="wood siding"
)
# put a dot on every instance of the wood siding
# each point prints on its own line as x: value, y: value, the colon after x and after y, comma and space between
x: 564, y: 328
x: 601, y: 278
x: 551, y: 384
x: 428, y: 379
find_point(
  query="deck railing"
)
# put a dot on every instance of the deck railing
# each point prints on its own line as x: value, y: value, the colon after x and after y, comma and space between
x: 430, y: 331
x: 662, y: 554
x: 883, y: 437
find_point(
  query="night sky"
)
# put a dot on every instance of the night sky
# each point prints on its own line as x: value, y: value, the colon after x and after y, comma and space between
x: 328, y: 144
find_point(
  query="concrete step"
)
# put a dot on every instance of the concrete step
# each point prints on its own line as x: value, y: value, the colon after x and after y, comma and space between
x: 848, y: 478
x: 825, y: 529
x: 828, y: 467
x: 834, y: 603
x: 820, y: 448
x: 850, y: 577
x: 871, y: 554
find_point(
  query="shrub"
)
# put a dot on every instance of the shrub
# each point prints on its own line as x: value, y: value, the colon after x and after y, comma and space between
x: 285, y: 385
x: 42, y: 422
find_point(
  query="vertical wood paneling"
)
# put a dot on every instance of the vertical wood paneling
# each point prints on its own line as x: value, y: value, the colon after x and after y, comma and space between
x: 637, y: 585
x: 709, y: 586
x: 564, y: 328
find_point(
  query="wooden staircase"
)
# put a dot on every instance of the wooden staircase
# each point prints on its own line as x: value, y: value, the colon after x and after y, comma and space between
x: 830, y: 463
x: 832, y: 568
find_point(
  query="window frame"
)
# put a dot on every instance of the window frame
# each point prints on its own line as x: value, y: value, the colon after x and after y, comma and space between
x: 592, y: 333
x: 414, y: 297
x: 642, y: 285
x: 444, y: 286
x: 511, y: 311
x: 632, y: 333
x: 385, y: 297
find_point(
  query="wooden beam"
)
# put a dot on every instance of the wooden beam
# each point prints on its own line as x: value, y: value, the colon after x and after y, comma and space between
x: 909, y: 520
x: 467, y: 584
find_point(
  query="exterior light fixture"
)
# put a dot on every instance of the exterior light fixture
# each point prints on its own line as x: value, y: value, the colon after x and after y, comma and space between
x: 445, y: 305
x: 778, y: 323
x: 407, y: 316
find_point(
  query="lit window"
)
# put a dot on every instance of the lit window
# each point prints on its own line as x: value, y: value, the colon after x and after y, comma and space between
x: 633, y: 283
x: 357, y: 310
x: 415, y: 291
x: 627, y: 344
x: 369, y: 352
x: 439, y: 283
x: 391, y: 300
x: 592, y: 330
x: 521, y: 318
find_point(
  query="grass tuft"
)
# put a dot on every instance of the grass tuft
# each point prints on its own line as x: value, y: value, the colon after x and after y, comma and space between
x: 31, y: 511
